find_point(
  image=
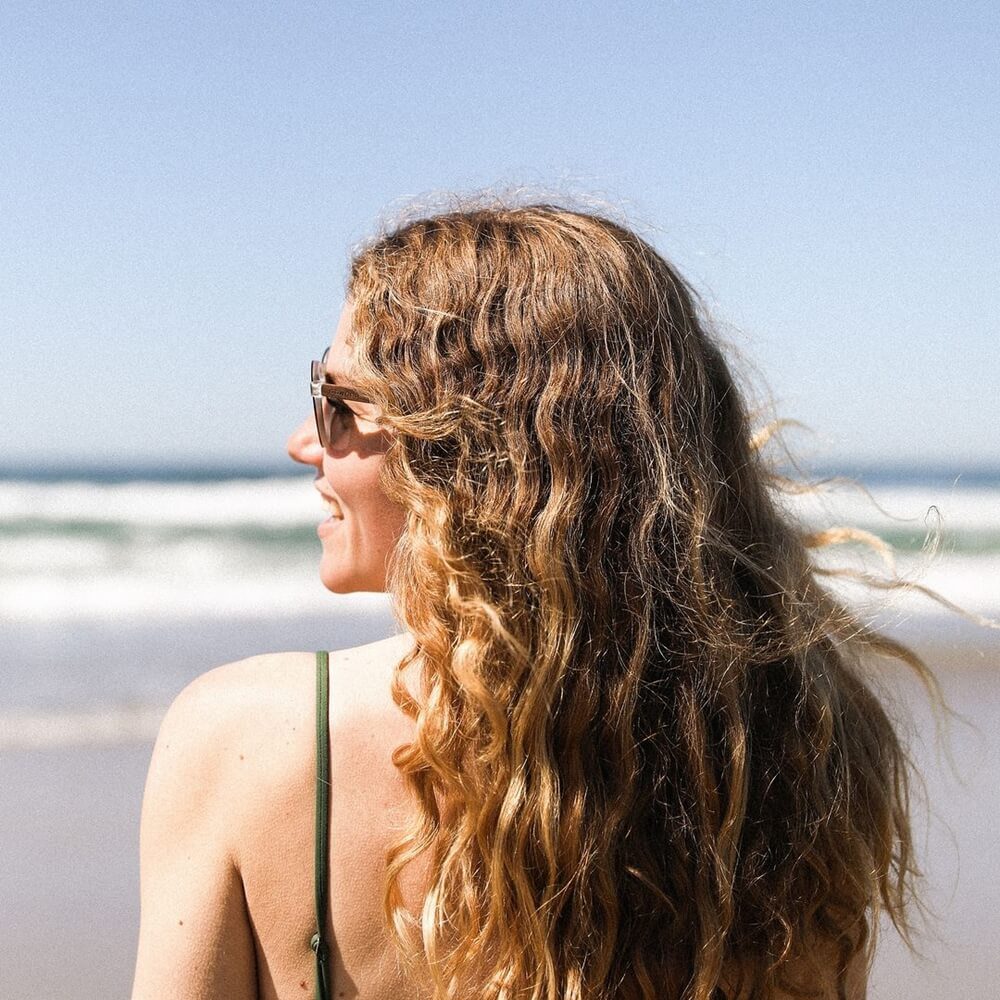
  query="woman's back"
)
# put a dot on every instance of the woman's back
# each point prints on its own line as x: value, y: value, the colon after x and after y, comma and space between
x: 250, y: 737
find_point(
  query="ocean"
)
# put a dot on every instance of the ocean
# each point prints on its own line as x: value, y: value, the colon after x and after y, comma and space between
x: 117, y: 587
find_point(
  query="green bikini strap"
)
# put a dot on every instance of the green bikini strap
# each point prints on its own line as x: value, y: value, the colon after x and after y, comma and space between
x: 318, y: 942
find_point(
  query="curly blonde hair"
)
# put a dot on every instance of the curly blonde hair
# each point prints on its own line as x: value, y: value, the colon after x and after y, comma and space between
x: 647, y: 762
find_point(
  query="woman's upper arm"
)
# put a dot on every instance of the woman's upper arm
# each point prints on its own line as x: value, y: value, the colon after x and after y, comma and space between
x: 195, y: 939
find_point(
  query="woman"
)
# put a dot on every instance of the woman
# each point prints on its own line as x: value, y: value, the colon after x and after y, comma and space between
x: 625, y: 747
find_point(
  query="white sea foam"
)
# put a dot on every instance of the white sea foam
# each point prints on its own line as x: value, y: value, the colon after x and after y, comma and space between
x: 956, y: 509
x: 181, y: 550
x: 239, y: 502
x: 34, y: 553
x: 165, y: 596
x: 290, y: 501
x: 93, y: 727
x: 970, y: 582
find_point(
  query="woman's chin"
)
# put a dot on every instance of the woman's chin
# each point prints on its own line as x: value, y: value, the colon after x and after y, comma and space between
x: 337, y: 581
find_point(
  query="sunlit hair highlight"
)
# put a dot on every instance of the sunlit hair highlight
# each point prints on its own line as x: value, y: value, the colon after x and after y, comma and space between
x: 647, y: 761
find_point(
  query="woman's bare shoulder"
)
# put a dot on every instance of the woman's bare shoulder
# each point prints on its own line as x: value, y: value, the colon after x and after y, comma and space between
x: 244, y: 716
x: 223, y: 707
x: 268, y: 702
x: 278, y: 689
x: 251, y: 724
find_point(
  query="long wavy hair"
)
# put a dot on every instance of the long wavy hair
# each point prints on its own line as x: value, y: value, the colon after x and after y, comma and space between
x: 647, y: 762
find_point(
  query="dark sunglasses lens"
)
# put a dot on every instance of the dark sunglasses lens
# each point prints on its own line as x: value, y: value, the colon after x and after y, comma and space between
x: 321, y: 412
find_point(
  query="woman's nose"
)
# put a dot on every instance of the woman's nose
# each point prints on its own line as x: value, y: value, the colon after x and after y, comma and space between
x: 303, y: 444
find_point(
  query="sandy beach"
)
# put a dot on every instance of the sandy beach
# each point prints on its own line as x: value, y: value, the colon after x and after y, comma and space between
x: 69, y: 820
x: 69, y: 823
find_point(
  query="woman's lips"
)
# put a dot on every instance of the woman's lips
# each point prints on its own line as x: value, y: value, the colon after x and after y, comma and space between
x: 328, y: 526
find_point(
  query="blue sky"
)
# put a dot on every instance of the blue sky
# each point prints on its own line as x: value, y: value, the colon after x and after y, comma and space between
x: 180, y: 185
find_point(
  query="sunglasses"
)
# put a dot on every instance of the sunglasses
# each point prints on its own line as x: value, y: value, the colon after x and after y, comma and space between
x: 332, y: 416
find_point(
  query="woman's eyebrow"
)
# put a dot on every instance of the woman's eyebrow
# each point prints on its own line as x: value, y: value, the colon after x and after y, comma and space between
x: 333, y: 376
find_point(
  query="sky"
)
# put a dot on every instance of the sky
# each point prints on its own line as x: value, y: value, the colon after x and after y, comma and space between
x: 181, y: 185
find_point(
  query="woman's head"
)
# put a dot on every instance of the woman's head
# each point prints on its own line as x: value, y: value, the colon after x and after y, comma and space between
x: 531, y: 338
x: 645, y: 762
x: 363, y: 525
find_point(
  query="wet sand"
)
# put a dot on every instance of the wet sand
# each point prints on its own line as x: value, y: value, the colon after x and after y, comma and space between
x: 69, y: 828
x: 69, y: 820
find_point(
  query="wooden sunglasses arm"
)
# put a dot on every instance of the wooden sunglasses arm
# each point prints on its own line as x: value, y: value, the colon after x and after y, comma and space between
x: 332, y: 391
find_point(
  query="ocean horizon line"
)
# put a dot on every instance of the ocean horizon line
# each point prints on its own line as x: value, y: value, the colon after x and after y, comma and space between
x: 898, y: 472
